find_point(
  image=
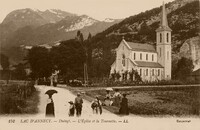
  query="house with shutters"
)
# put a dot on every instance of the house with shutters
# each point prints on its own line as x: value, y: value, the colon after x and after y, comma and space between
x: 152, y: 63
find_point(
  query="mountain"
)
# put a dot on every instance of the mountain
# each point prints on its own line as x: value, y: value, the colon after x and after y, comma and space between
x: 33, y: 17
x: 183, y: 19
x: 34, y: 27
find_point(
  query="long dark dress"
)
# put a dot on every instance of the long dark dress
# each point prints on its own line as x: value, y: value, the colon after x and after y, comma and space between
x: 124, y: 107
x: 50, y: 109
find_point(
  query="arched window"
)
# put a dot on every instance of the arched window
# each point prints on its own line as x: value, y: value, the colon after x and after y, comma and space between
x: 167, y: 37
x: 160, y: 37
x: 140, y: 56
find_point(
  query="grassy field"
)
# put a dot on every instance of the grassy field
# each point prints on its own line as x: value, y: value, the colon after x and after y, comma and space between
x: 18, y: 98
x: 158, y: 101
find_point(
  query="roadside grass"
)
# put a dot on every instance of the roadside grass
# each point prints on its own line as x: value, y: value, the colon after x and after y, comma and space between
x: 155, y: 101
x: 31, y: 104
x: 18, y: 98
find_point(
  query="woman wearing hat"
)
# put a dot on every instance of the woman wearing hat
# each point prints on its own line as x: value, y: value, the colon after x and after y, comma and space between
x: 50, y: 107
x: 124, y: 106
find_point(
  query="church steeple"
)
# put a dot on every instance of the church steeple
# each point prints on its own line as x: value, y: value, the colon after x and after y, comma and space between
x: 163, y: 18
x: 163, y: 36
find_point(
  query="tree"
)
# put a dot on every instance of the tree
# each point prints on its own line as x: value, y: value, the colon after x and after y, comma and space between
x: 131, y: 73
x: 5, y: 65
x: 69, y: 58
x: 4, y: 62
x: 19, y: 72
x: 137, y: 77
x: 184, y: 68
x: 40, y: 62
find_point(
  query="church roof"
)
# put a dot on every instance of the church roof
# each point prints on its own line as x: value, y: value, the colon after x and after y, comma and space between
x: 148, y: 64
x: 141, y: 47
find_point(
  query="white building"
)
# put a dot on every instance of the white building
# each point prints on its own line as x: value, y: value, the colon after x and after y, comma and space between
x: 152, y: 63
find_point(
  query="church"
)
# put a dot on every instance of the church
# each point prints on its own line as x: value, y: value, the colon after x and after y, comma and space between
x: 152, y: 63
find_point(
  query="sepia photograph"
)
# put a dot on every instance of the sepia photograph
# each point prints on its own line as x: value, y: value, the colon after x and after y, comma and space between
x: 99, y: 64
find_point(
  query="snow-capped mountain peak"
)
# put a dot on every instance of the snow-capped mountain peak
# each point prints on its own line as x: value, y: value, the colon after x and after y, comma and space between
x: 108, y: 20
x: 80, y: 23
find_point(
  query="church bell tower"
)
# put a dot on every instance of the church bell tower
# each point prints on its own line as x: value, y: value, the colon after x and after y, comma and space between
x: 163, y: 45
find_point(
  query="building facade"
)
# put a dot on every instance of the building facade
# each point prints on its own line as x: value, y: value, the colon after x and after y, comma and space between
x: 152, y: 63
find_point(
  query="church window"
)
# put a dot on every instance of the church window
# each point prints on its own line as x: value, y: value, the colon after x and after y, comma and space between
x: 140, y: 72
x: 167, y: 37
x: 123, y: 60
x: 146, y: 72
x: 160, y: 52
x: 158, y: 72
x: 146, y: 56
x: 134, y: 56
x: 152, y: 57
x: 140, y: 56
x: 152, y: 72
x: 160, y: 37
x: 167, y: 55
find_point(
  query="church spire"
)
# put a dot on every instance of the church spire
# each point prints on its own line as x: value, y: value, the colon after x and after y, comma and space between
x: 163, y: 18
x: 164, y: 22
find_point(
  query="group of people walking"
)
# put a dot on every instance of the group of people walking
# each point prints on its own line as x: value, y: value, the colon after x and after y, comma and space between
x: 74, y: 106
x: 118, y: 100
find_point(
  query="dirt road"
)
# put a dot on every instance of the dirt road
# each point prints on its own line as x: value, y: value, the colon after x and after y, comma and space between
x: 61, y: 100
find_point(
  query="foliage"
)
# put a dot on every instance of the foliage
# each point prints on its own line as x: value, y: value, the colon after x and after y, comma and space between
x: 138, y: 78
x: 118, y: 75
x: 184, y: 68
x: 40, y: 62
x: 69, y: 58
x: 14, y: 98
x: 19, y: 72
x: 4, y: 62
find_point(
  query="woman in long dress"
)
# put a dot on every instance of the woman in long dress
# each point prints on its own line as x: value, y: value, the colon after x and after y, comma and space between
x: 124, y: 110
x: 50, y: 107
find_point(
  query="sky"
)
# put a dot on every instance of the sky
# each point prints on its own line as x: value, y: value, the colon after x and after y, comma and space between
x: 98, y: 9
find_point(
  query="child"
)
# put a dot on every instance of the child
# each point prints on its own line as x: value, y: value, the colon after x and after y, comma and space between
x: 71, y: 109
x: 97, y: 106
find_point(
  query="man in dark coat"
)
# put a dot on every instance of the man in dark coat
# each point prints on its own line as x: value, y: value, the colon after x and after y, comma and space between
x: 78, y: 104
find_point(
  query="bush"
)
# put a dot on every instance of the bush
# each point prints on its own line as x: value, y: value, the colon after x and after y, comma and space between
x: 13, y: 97
x: 75, y: 83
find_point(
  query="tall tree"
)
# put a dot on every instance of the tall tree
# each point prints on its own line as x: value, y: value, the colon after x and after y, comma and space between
x: 40, y: 62
x: 69, y: 58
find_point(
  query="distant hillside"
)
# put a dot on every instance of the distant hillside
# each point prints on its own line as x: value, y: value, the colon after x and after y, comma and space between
x: 34, y: 27
x: 183, y: 19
